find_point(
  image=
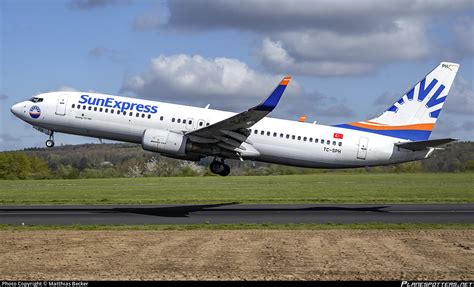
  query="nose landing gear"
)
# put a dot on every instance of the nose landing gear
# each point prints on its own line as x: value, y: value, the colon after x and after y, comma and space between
x: 219, y: 167
x: 50, y: 141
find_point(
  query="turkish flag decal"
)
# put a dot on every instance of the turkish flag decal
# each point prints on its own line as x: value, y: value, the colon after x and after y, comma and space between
x: 338, y: 136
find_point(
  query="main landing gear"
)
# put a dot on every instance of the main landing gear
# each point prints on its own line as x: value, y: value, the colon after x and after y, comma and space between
x: 50, y: 141
x: 219, y: 167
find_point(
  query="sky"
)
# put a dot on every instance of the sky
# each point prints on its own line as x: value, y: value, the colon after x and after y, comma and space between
x: 349, y: 60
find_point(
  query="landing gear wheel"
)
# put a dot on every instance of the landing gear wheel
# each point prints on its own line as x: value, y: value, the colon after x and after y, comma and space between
x: 219, y: 168
x: 216, y: 167
x: 49, y: 143
x: 225, y: 171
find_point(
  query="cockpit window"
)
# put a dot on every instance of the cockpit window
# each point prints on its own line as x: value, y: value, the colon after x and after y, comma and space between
x: 36, y: 100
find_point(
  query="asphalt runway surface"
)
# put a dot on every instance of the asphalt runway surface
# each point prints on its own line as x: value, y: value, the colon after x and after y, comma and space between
x: 237, y: 213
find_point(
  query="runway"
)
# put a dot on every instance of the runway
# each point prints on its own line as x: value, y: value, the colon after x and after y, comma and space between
x: 237, y: 213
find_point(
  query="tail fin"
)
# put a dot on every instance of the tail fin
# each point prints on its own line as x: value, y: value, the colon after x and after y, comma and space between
x: 414, y: 115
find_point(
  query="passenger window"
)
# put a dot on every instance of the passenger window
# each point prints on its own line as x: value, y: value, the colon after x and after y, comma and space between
x: 287, y: 136
x: 95, y: 109
x: 200, y: 124
x: 124, y: 113
x: 118, y: 112
x: 106, y: 110
x: 274, y: 134
x: 101, y: 109
x: 268, y: 133
x: 143, y: 115
x: 304, y: 139
x: 207, y: 124
x: 299, y: 138
x: 149, y: 116
x: 130, y: 114
x: 310, y: 140
x: 328, y: 142
x: 190, y: 122
x: 161, y: 118
x: 281, y: 135
x: 83, y: 107
x: 78, y: 106
x: 262, y: 133
x: 255, y: 132
x: 184, y: 121
x: 90, y: 108
x: 322, y: 141
x: 315, y: 140
x: 179, y: 121
x: 172, y: 120
x: 112, y: 111
x: 137, y: 115
x: 73, y: 105
x: 340, y: 143
x: 293, y: 137
x: 334, y: 143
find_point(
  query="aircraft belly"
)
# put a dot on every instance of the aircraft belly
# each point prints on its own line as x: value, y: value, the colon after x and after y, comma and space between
x: 304, y: 156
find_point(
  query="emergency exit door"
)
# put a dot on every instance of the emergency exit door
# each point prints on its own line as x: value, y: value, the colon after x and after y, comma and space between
x: 363, y: 146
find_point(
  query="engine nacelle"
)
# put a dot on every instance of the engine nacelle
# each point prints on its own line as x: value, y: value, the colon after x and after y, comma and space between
x: 163, y: 141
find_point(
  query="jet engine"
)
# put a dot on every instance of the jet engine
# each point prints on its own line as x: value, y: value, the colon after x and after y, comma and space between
x: 165, y: 142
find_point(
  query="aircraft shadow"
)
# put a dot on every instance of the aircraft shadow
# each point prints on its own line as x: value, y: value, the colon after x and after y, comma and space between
x: 185, y: 210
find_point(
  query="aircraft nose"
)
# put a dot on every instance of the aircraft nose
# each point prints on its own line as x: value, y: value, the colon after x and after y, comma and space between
x: 16, y: 109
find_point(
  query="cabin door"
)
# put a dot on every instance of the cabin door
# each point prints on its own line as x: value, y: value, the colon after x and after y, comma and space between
x: 61, y: 105
x: 363, y: 146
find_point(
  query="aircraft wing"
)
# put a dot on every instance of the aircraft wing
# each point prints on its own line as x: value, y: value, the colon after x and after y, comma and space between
x: 230, y: 133
x: 423, y: 145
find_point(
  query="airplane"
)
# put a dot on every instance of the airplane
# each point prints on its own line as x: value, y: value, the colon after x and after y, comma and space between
x: 399, y: 134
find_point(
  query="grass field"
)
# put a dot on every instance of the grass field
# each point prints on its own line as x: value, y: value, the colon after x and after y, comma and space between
x: 314, y: 188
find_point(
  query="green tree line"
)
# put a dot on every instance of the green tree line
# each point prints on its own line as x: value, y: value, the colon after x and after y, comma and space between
x: 126, y: 160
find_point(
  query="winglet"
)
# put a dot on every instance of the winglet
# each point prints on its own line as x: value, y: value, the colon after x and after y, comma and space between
x: 272, y: 101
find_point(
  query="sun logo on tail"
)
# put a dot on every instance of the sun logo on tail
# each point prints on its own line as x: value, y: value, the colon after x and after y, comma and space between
x: 420, y: 93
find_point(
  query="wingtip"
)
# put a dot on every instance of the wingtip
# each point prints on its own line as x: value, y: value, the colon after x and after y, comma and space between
x: 285, y: 80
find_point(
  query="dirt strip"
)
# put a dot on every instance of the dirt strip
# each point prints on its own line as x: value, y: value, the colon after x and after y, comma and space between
x: 237, y: 255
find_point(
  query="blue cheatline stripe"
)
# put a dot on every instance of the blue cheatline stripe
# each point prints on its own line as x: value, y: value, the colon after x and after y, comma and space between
x: 414, y: 135
x: 272, y: 101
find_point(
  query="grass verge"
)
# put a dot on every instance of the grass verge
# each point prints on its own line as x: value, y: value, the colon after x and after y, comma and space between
x: 312, y: 188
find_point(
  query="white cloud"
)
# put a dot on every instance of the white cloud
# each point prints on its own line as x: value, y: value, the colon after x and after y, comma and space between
x: 65, y: 89
x: 464, y: 31
x: 151, y: 19
x: 327, y: 53
x: 461, y: 97
x: 195, y: 79
x: 91, y: 4
x: 322, y: 37
x: 281, y: 15
x: 276, y: 58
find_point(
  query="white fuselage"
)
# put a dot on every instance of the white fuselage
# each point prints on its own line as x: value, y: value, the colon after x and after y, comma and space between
x: 277, y: 141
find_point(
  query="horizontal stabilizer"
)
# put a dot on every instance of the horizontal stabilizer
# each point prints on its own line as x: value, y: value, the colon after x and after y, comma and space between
x: 423, y: 145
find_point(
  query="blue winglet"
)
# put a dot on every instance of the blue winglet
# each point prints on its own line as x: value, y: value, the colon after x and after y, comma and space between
x: 272, y: 101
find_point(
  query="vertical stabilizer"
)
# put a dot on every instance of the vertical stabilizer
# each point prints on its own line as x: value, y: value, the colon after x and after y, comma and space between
x: 414, y: 115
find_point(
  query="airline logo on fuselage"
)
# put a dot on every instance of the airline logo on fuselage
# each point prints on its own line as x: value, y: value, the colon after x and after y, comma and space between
x: 35, y: 112
x: 115, y: 104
